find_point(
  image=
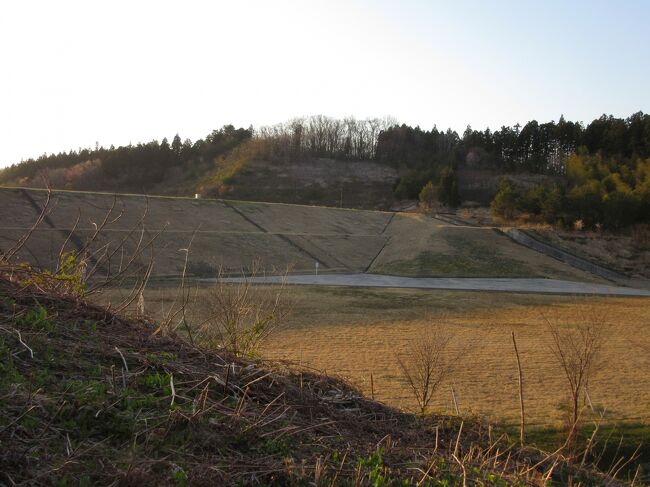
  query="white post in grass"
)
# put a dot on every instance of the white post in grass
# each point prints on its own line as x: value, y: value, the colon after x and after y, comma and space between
x: 316, y: 267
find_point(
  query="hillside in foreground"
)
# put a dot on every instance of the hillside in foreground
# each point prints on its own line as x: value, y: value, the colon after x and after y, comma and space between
x: 90, y: 398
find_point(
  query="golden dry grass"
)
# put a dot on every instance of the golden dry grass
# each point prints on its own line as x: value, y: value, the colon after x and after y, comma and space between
x: 353, y: 332
x: 328, y: 335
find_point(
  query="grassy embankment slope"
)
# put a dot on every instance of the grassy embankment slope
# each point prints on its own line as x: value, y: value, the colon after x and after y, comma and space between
x: 233, y: 234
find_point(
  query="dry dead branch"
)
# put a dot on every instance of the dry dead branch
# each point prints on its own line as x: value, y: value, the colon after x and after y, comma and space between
x: 520, y: 376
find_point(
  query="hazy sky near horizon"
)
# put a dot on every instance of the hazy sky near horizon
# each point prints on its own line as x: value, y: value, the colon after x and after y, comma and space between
x: 73, y: 73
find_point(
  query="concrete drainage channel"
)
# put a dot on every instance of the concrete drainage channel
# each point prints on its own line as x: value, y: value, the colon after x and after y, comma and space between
x: 524, y: 238
x: 527, y: 240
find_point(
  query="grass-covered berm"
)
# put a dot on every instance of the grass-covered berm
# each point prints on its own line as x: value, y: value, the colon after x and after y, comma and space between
x: 230, y: 235
x: 91, y: 398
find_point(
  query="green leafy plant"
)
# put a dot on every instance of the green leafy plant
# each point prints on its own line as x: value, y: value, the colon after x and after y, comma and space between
x: 36, y: 318
x: 68, y: 278
x: 375, y: 469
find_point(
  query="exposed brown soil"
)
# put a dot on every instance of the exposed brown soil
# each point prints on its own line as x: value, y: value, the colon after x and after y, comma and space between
x: 326, y: 182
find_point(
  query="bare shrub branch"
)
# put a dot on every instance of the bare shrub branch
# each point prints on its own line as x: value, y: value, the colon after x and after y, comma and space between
x: 576, y: 349
x: 88, y: 268
x: 426, y: 365
x: 241, y: 314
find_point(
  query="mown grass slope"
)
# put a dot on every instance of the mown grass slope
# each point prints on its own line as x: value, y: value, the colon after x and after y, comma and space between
x: 233, y: 234
x: 419, y: 246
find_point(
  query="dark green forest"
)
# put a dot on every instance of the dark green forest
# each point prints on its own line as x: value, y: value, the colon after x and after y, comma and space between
x: 135, y: 168
x: 601, y: 170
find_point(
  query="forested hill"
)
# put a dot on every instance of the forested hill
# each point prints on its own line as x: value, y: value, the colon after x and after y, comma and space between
x: 229, y: 161
x: 133, y: 168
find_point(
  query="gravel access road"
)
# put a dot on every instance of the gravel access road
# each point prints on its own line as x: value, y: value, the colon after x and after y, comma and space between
x: 517, y: 285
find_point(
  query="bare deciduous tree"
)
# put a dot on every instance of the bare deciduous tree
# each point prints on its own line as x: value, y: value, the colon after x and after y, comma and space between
x: 426, y: 365
x: 321, y: 136
x: 576, y: 349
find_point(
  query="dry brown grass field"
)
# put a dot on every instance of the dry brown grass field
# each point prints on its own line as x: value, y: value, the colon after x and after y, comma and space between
x: 356, y: 332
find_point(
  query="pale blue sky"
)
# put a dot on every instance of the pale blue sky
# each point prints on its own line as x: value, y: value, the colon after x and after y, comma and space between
x: 76, y: 72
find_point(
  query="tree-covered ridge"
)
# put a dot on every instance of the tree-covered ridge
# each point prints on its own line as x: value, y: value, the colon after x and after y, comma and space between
x: 137, y: 168
x: 346, y: 139
x: 536, y: 148
x: 208, y: 165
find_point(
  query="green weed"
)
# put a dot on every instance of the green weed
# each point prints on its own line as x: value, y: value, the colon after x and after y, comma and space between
x: 280, y: 446
x: 36, y: 318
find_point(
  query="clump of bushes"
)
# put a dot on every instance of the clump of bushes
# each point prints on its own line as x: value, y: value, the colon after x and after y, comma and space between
x: 597, y: 192
x: 445, y: 192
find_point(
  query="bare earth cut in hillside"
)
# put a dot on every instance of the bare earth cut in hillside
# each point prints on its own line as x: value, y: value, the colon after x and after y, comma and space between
x: 328, y: 182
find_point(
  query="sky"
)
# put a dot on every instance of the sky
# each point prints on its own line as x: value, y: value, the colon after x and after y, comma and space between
x: 77, y: 73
